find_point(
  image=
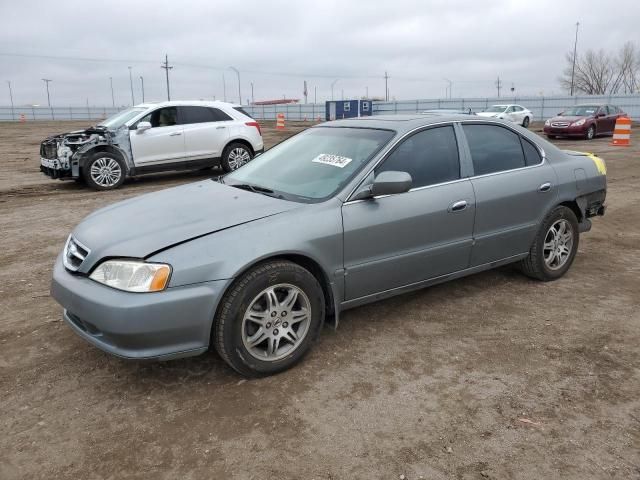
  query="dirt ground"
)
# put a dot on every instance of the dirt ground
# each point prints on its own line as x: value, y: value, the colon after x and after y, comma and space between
x: 492, y: 376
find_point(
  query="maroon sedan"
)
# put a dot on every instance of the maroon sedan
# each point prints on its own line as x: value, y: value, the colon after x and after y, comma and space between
x: 585, y: 121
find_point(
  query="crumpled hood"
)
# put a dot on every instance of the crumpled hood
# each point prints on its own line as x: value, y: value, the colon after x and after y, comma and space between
x: 146, y: 224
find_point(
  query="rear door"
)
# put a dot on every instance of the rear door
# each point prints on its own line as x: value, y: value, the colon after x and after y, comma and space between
x: 162, y: 143
x: 397, y: 240
x: 206, y: 131
x: 514, y: 189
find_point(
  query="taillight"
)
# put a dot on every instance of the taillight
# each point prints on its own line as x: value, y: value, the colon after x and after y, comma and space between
x: 254, y: 124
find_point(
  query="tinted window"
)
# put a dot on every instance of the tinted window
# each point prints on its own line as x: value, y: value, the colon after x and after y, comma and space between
x: 531, y: 153
x: 430, y: 157
x: 202, y: 115
x: 242, y: 111
x: 163, y: 117
x: 493, y: 148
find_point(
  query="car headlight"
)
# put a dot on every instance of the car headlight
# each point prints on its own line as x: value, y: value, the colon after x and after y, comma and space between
x: 132, y: 275
x: 578, y: 123
x: 548, y: 122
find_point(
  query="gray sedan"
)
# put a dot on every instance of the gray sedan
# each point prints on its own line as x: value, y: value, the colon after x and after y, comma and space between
x: 345, y: 213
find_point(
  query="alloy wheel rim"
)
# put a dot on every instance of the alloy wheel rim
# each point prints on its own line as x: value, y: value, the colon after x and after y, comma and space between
x: 106, y: 172
x: 590, y: 133
x: 238, y: 157
x: 276, y: 322
x: 558, y: 243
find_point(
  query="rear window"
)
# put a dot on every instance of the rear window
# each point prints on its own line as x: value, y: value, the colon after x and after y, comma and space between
x: 493, y: 148
x: 531, y: 153
x: 242, y: 111
x: 195, y: 114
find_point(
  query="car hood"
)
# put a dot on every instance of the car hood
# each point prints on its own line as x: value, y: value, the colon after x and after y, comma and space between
x: 488, y: 114
x: 568, y: 118
x: 144, y: 225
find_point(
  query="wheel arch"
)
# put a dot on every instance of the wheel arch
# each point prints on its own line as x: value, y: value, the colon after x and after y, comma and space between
x: 86, y: 155
x: 242, y: 141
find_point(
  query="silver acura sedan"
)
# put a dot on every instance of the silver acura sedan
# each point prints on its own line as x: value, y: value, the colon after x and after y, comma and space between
x: 344, y: 213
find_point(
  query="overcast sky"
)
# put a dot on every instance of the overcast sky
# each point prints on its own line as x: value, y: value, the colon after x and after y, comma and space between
x: 277, y: 45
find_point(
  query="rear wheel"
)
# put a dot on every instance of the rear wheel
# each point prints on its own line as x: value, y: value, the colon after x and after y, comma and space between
x: 104, y: 171
x: 269, y: 318
x: 554, y: 247
x: 591, y: 132
x: 234, y: 156
x: 525, y: 122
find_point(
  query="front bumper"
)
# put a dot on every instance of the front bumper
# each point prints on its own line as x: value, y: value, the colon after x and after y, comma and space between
x: 55, y: 168
x: 569, y: 131
x: 174, y: 323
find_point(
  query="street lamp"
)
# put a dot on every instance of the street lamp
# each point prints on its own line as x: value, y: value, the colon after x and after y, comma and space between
x: 142, y: 82
x: 332, y: 85
x: 239, y: 93
x: 46, y: 81
x: 113, y: 100
x: 133, y: 101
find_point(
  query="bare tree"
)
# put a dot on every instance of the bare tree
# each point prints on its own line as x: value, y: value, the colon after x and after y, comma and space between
x: 599, y: 73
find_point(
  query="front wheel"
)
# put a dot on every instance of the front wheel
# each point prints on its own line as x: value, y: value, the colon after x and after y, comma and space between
x: 591, y: 132
x: 269, y: 318
x: 234, y: 156
x: 554, y: 247
x: 525, y: 122
x: 104, y: 171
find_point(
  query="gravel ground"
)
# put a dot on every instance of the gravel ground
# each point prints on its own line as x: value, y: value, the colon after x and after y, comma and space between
x: 492, y: 376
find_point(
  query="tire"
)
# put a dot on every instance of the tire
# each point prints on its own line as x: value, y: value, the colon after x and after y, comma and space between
x: 104, y: 171
x: 234, y: 156
x: 591, y: 133
x: 525, y: 122
x: 246, y: 329
x: 537, y: 264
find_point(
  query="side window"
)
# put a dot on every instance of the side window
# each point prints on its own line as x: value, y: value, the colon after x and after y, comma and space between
x: 347, y: 106
x: 493, y: 148
x: 365, y: 106
x: 163, y: 117
x: 197, y: 115
x: 531, y: 153
x: 429, y: 156
x: 510, y: 109
x: 220, y: 116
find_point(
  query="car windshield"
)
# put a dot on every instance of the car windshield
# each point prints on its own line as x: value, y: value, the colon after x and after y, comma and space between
x: 120, y: 118
x: 581, y: 111
x: 313, y: 165
x: 496, y: 109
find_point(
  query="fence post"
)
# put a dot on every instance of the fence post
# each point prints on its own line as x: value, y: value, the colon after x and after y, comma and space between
x: 70, y: 113
x: 33, y: 112
x: 542, y: 110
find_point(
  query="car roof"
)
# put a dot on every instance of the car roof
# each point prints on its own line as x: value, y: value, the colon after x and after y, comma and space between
x: 401, y: 122
x: 188, y: 103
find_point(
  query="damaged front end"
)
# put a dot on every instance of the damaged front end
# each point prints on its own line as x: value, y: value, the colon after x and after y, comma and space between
x: 61, y: 156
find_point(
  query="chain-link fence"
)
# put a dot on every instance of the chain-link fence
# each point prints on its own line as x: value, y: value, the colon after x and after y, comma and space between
x: 31, y: 113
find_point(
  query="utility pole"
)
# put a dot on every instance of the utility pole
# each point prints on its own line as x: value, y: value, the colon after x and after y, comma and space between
x: 133, y: 100
x: 342, y: 96
x: 239, y: 93
x: 386, y: 86
x: 11, y: 97
x: 253, y: 100
x: 224, y: 88
x: 332, y: 85
x: 166, y: 71
x: 449, y: 87
x: 498, y: 85
x: 315, y: 95
x: 305, y: 92
x: 367, y: 93
x: 142, y: 82
x: 46, y: 81
x: 113, y: 100
x: 575, y: 51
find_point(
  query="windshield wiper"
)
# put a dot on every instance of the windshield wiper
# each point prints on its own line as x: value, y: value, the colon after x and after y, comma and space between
x: 255, y: 189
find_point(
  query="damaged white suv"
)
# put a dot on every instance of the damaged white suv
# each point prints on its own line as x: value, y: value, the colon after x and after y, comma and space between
x: 154, y: 137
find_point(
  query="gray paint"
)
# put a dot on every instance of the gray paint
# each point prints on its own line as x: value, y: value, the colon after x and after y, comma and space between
x: 366, y: 249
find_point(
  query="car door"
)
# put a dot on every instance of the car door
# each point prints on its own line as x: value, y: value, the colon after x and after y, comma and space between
x: 511, y: 113
x: 162, y: 143
x: 612, y: 116
x: 514, y: 189
x: 397, y: 240
x: 206, y: 131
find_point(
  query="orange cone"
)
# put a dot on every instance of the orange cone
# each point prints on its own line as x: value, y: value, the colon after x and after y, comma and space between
x: 622, y: 132
x: 280, y: 121
x: 22, y: 118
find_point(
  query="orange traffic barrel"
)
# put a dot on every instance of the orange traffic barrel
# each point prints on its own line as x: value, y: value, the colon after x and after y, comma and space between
x: 280, y: 121
x: 622, y: 132
x: 22, y: 118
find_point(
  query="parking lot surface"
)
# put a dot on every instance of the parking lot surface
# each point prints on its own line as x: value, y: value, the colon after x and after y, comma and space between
x: 491, y: 376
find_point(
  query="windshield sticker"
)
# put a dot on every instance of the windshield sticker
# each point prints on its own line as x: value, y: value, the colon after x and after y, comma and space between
x: 335, y: 160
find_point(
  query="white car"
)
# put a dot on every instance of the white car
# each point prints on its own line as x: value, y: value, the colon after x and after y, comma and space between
x: 516, y: 113
x: 154, y: 137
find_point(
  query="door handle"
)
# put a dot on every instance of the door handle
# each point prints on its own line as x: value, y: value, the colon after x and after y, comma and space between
x: 545, y: 187
x: 174, y: 134
x: 458, y: 206
x: 220, y: 128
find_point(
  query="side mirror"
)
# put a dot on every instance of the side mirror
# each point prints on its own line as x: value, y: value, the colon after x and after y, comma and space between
x: 601, y: 114
x: 385, y: 183
x: 143, y: 126
x: 560, y: 114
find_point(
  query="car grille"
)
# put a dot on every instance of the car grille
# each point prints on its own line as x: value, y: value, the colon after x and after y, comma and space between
x: 559, y: 124
x: 49, y: 149
x: 74, y: 254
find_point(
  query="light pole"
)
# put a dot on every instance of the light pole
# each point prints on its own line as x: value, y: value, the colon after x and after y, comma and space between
x: 46, y: 81
x: 449, y: 87
x: 239, y: 92
x: 11, y: 97
x: 252, y: 98
x: 333, y: 85
x: 113, y: 100
x: 224, y: 88
x: 575, y: 50
x: 133, y: 100
x: 142, y: 83
x: 167, y: 67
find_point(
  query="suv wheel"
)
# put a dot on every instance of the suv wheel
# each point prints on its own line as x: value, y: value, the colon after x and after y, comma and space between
x: 104, y: 171
x: 554, y: 247
x: 525, y: 122
x: 234, y: 156
x: 269, y: 318
x: 591, y: 132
